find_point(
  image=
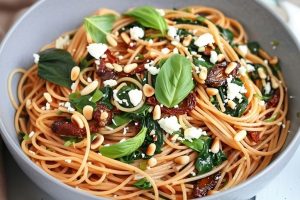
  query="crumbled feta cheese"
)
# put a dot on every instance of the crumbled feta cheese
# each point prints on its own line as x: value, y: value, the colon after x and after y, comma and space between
x: 213, y: 57
x: 97, y: 62
x: 174, y: 43
x: 61, y: 104
x: 242, y: 70
x: 122, y: 140
x: 261, y: 103
x: 136, y: 33
x: 47, y: 107
x: 62, y: 42
x: 73, y: 86
x: 36, y: 58
x: 193, y: 133
x: 172, y: 32
x: 161, y: 12
x: 89, y: 80
x: 193, y: 173
x: 267, y: 88
x: 106, y: 145
x: 169, y: 124
x: 68, y: 161
x: 131, y: 44
x: 250, y: 68
x: 135, y: 96
x: 165, y: 51
x: 104, y: 56
x: 151, y: 68
x: 234, y: 90
x: 175, y: 51
x: 115, y: 96
x: 125, y: 130
x: 110, y: 83
x: 97, y: 49
x: 243, y: 49
x: 150, y: 41
x: 283, y: 125
x: 204, y: 40
x: 32, y: 152
x: 31, y: 134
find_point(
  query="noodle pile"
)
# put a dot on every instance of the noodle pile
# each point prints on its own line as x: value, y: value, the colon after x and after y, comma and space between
x: 83, y: 167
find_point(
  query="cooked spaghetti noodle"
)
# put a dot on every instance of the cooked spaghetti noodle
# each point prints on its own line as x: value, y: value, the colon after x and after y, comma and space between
x: 244, y: 131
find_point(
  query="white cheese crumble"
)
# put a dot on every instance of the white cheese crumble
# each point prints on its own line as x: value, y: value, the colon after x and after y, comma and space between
x: 62, y: 42
x: 204, y: 40
x: 31, y: 134
x: 115, y: 96
x: 136, y: 33
x: 165, y: 51
x: 261, y: 103
x: 172, y: 32
x: 193, y: 133
x: 213, y: 57
x: 161, y: 12
x: 36, y: 58
x: 242, y: 70
x: 68, y: 161
x: 234, y: 90
x: 89, y: 80
x: 125, y: 130
x: 267, y: 88
x: 73, y: 86
x: 110, y: 83
x: 169, y: 124
x: 135, y: 96
x: 243, y: 49
x: 175, y: 51
x: 47, y: 107
x: 97, y: 49
x: 250, y: 68
x: 151, y: 68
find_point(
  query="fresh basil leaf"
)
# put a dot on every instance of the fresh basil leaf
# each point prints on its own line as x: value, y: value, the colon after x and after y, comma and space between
x: 99, y: 26
x: 107, y: 95
x: 55, y: 66
x: 204, y: 164
x: 148, y: 17
x: 202, y: 63
x: 143, y: 184
x: 97, y: 96
x: 218, y: 158
x: 119, y: 150
x: 68, y: 141
x: 227, y: 34
x: 24, y: 136
x: 198, y: 145
x: 136, y: 155
x: 174, y: 81
x: 253, y: 47
x: 77, y: 101
x: 120, y: 120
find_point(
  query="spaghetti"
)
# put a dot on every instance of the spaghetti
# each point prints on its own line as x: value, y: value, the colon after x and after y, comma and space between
x: 111, y: 134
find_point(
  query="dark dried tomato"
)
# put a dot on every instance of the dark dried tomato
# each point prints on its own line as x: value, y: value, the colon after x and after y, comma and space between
x: 207, y: 51
x: 102, y: 71
x: 254, y: 135
x: 202, y: 186
x: 94, y: 126
x: 67, y: 128
x: 274, y: 100
x: 217, y: 76
x: 101, y: 118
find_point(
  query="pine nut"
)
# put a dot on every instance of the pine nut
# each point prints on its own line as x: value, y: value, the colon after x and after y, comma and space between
x: 109, y: 66
x: 89, y: 88
x: 48, y: 97
x: 182, y: 160
x: 240, y: 135
x: 130, y: 67
x: 212, y: 91
x: 187, y: 40
x: 152, y: 162
x: 28, y: 103
x: 148, y: 90
x: 89, y: 38
x: 117, y: 67
x: 75, y: 73
x: 261, y: 72
x: 273, y: 60
x: 215, y: 147
x: 111, y: 40
x: 75, y: 118
x: 221, y: 57
x: 125, y: 37
x: 96, y: 143
x: 104, y: 115
x: 151, y: 149
x: 88, y: 112
x: 274, y: 83
x: 230, y: 67
x: 152, y: 54
x: 156, y: 112
x: 203, y: 73
x: 231, y: 104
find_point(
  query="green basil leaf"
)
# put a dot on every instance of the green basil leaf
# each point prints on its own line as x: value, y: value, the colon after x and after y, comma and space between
x: 204, y: 164
x: 202, y: 63
x: 253, y: 47
x: 174, y: 81
x: 68, y: 141
x: 24, y: 136
x: 99, y: 26
x: 148, y: 17
x: 107, y: 95
x: 97, y: 96
x: 227, y: 34
x: 120, y: 120
x: 77, y: 101
x: 143, y: 184
x: 119, y: 150
x: 55, y: 66
x: 200, y: 145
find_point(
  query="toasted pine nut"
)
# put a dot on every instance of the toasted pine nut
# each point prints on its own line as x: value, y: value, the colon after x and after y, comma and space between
x: 109, y: 66
x: 182, y: 160
x: 75, y: 118
x: 130, y: 67
x: 96, y: 143
x: 212, y: 91
x: 152, y: 54
x: 221, y: 57
x: 48, y: 97
x: 240, y: 135
x: 187, y: 40
x: 111, y: 40
x: 151, y: 149
x: 89, y: 38
x: 89, y: 88
x: 88, y: 112
x: 211, y: 192
x: 148, y: 90
x: 274, y: 83
x: 156, y: 112
x: 273, y: 60
x: 75, y: 73
x: 215, y: 147
x: 203, y: 73
x: 28, y: 103
x: 125, y: 37
x: 261, y: 72
x: 231, y: 104
x: 152, y: 162
x: 230, y: 67
x: 117, y: 67
x: 104, y: 115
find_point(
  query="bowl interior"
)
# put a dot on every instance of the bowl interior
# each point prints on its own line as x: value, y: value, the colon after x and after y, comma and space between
x: 40, y: 26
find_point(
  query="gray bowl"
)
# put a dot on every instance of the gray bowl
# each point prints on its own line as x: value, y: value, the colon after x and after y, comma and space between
x: 46, y: 20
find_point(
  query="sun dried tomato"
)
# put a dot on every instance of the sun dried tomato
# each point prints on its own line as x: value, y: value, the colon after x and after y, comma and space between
x: 274, y: 100
x: 101, y: 118
x: 254, y: 135
x: 102, y: 71
x: 202, y: 186
x: 207, y: 51
x: 67, y: 128
x: 217, y: 76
